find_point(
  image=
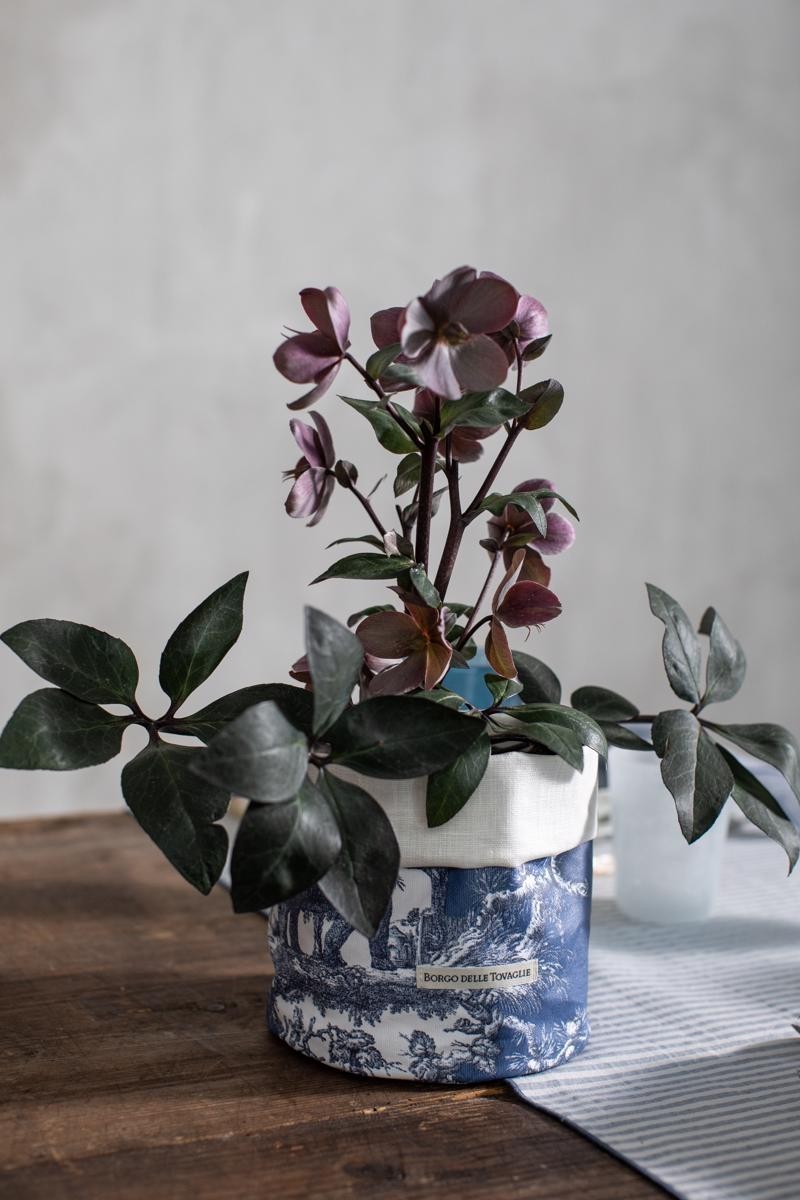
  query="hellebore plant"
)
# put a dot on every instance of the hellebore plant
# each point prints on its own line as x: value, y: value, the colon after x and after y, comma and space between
x: 373, y: 696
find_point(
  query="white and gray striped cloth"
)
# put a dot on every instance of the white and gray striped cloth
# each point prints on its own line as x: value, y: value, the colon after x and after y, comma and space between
x: 693, y: 1070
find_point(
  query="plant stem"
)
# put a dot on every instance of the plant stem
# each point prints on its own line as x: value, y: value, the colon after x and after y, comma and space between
x: 368, y: 509
x: 472, y: 624
x: 426, y: 483
x: 483, y: 491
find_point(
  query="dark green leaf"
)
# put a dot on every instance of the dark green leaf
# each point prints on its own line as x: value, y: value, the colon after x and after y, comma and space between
x: 402, y: 373
x: 502, y: 689
x: 294, y: 702
x: 177, y: 810
x: 359, y: 885
x: 770, y: 743
x: 369, y: 538
x: 387, y: 430
x: 561, y: 740
x: 400, y: 737
x: 259, y: 755
x: 356, y: 617
x: 377, y: 363
x: 408, y: 474
x: 481, y: 410
x: 726, y: 664
x: 423, y: 586
x: 543, y: 401
x: 53, y: 731
x: 411, y: 511
x: 585, y: 729
x: 282, y: 849
x: 680, y: 647
x: 603, y: 704
x: 495, y: 503
x: 90, y: 664
x: 536, y: 348
x: 622, y: 738
x: 335, y: 657
x: 366, y: 566
x: 539, y: 683
x: 449, y: 790
x: 202, y: 640
x: 549, y: 494
x: 693, y: 770
x: 441, y: 696
x: 760, y: 806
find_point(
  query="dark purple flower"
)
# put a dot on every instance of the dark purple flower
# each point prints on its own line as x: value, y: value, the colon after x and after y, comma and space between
x: 519, y: 604
x: 514, y: 528
x: 444, y: 334
x: 412, y: 647
x: 529, y: 324
x: 313, y: 476
x: 316, y: 357
x: 465, y: 442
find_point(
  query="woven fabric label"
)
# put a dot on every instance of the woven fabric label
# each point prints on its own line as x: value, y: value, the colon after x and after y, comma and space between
x: 477, y: 978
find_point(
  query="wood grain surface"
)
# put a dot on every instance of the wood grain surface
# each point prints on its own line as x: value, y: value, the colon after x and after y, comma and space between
x: 136, y: 1062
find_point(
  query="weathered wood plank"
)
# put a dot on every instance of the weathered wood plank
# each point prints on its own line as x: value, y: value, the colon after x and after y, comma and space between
x: 135, y: 1059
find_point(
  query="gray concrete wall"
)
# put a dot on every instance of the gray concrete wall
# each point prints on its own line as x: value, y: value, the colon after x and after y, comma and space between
x: 172, y: 171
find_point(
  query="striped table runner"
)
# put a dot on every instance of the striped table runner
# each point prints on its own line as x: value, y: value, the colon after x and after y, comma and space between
x: 693, y: 1071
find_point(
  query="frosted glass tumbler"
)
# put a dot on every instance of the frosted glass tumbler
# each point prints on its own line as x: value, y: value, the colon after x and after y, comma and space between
x: 659, y: 876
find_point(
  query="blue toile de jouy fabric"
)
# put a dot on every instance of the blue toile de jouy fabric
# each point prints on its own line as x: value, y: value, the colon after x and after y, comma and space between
x: 475, y: 974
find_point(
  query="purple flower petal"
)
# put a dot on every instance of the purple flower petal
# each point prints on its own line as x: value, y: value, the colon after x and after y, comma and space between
x: 559, y: 537
x: 434, y: 370
x: 388, y: 635
x: 324, y: 381
x: 437, y: 662
x: 385, y: 326
x: 325, y: 440
x: 535, y: 569
x: 531, y: 320
x: 527, y: 603
x: 498, y: 651
x: 329, y: 312
x: 479, y: 365
x: 327, y: 491
x: 305, y: 356
x: 305, y: 497
x: 308, y: 441
x: 417, y: 329
x: 485, y: 305
x: 444, y: 290
x: 404, y: 677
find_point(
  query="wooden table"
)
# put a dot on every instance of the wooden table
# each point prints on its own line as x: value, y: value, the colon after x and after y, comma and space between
x: 136, y: 1063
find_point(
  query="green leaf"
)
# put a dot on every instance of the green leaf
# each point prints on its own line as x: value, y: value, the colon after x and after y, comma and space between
x: 543, y: 401
x: 356, y: 617
x: 377, y: 363
x: 202, y: 640
x: 360, y: 883
x: 282, y: 849
x: 295, y: 703
x: 366, y: 566
x: 408, y: 474
x: 680, y: 647
x: 449, y: 790
x: 726, y: 666
x: 481, y: 410
x: 335, y: 658
x: 539, y: 683
x: 400, y: 737
x: 693, y: 770
x: 87, y: 663
x: 495, y: 503
x: 387, y: 430
x: 762, y: 809
x: 584, y: 727
x: 561, y: 740
x: 423, y: 586
x: 259, y: 755
x: 177, y: 810
x: 500, y: 688
x: 623, y: 738
x: 441, y: 696
x: 369, y: 538
x: 770, y: 743
x: 53, y: 731
x: 549, y: 494
x: 603, y: 704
